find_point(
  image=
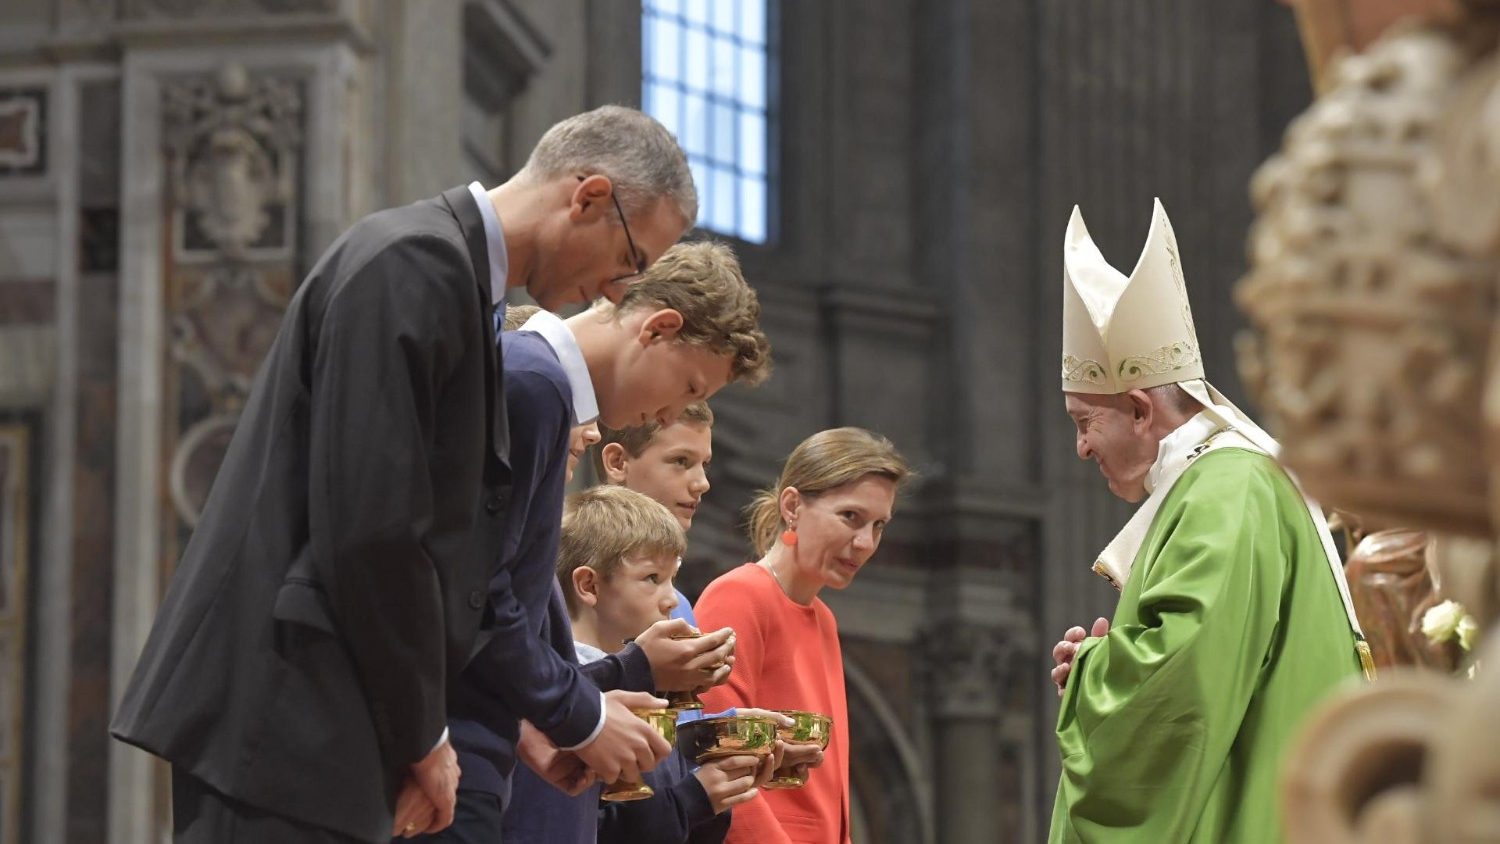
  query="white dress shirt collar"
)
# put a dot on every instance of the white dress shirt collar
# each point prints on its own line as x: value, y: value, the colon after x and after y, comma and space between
x: 494, y: 238
x: 560, y: 337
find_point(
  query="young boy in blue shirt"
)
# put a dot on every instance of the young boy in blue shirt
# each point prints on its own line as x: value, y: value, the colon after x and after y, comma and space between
x: 619, y: 555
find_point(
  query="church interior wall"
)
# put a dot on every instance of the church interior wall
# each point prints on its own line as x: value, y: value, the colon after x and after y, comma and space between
x: 927, y: 156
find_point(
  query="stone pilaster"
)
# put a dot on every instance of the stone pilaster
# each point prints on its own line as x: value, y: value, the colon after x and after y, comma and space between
x: 964, y: 667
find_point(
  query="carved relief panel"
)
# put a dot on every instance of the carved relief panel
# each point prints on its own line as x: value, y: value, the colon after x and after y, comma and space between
x: 233, y: 144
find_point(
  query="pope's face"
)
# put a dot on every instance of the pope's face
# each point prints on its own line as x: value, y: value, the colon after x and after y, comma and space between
x: 1112, y: 432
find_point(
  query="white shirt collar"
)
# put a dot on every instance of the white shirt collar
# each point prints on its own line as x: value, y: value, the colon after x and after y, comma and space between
x: 587, y: 653
x: 1175, y: 446
x: 494, y: 238
x: 560, y: 337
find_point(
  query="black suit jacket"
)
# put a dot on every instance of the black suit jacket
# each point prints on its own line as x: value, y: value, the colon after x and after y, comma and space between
x: 337, y: 580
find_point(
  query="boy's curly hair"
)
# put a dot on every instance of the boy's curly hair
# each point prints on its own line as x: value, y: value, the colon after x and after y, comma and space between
x: 720, y: 312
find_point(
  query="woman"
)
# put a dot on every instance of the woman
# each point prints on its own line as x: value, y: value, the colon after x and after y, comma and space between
x: 814, y: 529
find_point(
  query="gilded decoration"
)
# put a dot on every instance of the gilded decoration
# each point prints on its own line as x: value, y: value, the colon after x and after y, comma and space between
x: 233, y: 143
x: 1168, y: 358
x: 1083, y: 371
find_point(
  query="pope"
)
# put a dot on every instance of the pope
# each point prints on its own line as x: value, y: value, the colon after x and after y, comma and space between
x: 1234, y: 619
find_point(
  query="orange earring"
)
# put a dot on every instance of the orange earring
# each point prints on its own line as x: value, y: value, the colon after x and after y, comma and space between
x: 789, y: 538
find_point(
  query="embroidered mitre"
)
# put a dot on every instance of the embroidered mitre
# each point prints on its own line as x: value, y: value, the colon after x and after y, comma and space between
x: 1126, y: 333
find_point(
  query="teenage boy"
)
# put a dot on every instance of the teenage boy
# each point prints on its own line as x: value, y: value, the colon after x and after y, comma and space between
x: 685, y: 330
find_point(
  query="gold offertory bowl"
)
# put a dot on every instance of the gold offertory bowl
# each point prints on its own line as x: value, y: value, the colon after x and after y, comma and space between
x: 806, y: 728
x: 664, y: 721
x: 734, y: 735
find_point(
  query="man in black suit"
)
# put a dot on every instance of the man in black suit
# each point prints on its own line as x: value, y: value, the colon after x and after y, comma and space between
x: 296, y: 676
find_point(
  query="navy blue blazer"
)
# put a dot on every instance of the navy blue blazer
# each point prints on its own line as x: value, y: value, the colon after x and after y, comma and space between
x: 515, y: 672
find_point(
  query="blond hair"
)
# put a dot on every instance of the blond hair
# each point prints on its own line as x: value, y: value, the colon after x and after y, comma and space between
x: 823, y: 462
x: 640, y: 157
x: 603, y: 525
x: 517, y: 315
x: 720, y: 312
x: 637, y: 438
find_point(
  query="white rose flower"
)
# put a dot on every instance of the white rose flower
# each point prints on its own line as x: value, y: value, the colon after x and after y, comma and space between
x: 1467, y: 632
x: 1440, y: 624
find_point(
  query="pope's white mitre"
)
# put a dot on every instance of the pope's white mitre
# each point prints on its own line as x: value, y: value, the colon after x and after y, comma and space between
x: 1124, y: 333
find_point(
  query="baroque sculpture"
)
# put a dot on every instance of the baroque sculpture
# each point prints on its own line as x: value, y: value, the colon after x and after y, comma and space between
x: 1372, y: 292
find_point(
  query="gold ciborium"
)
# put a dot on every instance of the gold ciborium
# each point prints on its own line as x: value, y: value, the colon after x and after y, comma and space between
x: 730, y: 735
x: 664, y: 722
x: 806, y: 728
x: 683, y: 700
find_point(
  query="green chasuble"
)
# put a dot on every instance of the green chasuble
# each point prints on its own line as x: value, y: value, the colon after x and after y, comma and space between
x: 1229, y: 631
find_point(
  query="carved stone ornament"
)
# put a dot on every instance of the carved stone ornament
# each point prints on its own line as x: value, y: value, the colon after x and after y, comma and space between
x: 1409, y: 759
x: 963, y: 668
x: 1375, y: 263
x: 225, y: 320
x: 1372, y: 328
x: 232, y: 143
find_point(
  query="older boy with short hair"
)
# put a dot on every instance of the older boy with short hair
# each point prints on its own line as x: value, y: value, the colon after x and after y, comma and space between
x: 677, y: 336
x: 668, y: 463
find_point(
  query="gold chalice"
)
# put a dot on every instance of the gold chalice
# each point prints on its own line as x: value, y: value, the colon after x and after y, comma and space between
x: 806, y: 728
x: 687, y: 699
x: 730, y: 735
x: 664, y: 721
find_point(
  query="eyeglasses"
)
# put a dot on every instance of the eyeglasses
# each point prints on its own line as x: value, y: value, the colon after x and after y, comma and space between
x: 635, y: 255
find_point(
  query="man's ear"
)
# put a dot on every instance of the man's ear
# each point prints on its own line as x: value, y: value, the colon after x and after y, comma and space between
x: 590, y: 198
x: 1141, y: 409
x: 614, y: 458
x: 586, y: 586
x: 665, y: 324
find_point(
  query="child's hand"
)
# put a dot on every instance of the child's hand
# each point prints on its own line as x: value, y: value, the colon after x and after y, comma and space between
x: 679, y: 665
x: 729, y: 781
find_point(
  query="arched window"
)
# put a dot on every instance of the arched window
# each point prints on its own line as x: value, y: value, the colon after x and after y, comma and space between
x: 707, y: 67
